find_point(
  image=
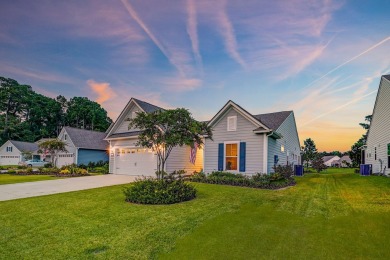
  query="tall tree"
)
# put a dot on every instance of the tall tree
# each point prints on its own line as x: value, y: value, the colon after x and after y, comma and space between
x: 309, y: 151
x: 356, y: 149
x: 84, y: 113
x: 165, y: 129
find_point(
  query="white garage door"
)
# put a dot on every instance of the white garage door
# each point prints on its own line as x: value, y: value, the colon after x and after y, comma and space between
x: 9, y: 159
x: 65, y: 159
x: 135, y: 161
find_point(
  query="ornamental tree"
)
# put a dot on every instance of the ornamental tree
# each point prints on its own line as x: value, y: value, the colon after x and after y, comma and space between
x: 52, y: 147
x: 162, y: 130
x: 309, y: 151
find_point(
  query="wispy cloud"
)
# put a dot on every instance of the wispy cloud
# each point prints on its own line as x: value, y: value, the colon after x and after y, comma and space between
x: 227, y: 31
x: 182, y: 84
x: 145, y: 28
x: 192, y: 31
x: 103, y: 91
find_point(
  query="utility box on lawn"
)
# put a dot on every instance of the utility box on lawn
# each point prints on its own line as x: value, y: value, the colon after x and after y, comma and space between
x: 298, y: 170
x: 365, y: 169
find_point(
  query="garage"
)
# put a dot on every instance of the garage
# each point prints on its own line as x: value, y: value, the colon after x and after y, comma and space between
x: 65, y: 159
x: 135, y: 161
x: 9, y: 159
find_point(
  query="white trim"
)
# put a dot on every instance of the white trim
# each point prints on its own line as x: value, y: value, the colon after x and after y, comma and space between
x: 121, y: 115
x: 265, y: 154
x: 224, y: 156
x: 238, y: 109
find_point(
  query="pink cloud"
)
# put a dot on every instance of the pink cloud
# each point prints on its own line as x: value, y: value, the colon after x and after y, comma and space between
x: 103, y: 91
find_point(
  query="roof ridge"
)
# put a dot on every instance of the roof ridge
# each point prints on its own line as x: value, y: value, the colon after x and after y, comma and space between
x: 139, y: 100
x: 83, y: 129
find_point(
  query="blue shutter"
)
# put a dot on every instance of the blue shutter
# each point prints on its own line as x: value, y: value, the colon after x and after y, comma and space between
x: 220, y: 157
x: 242, y: 156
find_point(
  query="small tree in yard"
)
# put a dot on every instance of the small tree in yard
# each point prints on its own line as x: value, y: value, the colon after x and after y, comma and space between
x: 318, y: 164
x: 309, y: 151
x: 162, y: 130
x: 52, y: 147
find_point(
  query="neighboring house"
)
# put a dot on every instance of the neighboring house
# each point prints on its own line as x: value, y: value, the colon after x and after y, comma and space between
x: 248, y: 144
x: 127, y: 158
x: 12, y: 152
x: 330, y: 160
x: 83, y: 146
x: 343, y: 162
x: 377, y: 150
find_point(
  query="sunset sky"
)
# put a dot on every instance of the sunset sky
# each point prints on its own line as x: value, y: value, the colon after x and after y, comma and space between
x: 322, y: 59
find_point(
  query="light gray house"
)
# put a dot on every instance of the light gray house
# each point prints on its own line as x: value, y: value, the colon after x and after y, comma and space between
x: 12, y: 152
x: 247, y: 143
x: 128, y: 158
x: 377, y: 150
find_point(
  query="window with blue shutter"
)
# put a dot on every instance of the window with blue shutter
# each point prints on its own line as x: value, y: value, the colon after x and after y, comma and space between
x: 242, y: 156
x: 220, y: 157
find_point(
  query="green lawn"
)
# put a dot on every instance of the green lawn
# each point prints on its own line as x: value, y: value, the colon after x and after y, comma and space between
x: 9, y: 178
x: 341, y: 216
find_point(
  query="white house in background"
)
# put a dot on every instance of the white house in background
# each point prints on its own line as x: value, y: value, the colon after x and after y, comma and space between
x: 11, y: 153
x: 345, y: 161
x: 127, y: 158
x: 377, y: 150
x: 330, y: 160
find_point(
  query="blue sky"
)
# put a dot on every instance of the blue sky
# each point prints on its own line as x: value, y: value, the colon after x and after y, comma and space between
x: 322, y: 59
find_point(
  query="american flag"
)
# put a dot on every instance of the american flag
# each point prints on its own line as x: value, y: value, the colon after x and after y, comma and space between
x: 193, y: 153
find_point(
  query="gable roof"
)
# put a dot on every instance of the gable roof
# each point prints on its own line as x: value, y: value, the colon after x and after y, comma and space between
x: 25, y: 146
x: 386, y: 77
x: 265, y: 122
x: 145, y: 106
x: 87, y: 139
x: 273, y: 120
x: 328, y: 157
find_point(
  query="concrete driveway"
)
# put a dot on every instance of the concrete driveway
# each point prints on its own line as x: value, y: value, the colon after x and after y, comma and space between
x: 39, y: 188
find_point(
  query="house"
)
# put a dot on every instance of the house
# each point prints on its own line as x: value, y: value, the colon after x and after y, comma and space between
x: 377, y: 149
x: 343, y: 162
x: 330, y: 159
x: 13, y: 152
x: 83, y: 146
x: 251, y: 143
x: 128, y: 158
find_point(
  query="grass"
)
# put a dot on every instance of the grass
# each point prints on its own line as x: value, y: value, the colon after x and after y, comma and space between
x: 10, y: 178
x: 339, y: 215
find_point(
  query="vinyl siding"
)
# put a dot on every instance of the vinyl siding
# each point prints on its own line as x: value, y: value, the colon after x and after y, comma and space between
x: 86, y: 156
x: 123, y: 126
x: 15, y: 152
x: 379, y: 135
x: 70, y: 148
x: 244, y: 133
x: 179, y: 159
x: 289, y: 139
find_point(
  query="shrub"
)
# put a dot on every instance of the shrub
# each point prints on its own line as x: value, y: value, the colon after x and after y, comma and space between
x: 20, y: 167
x: 285, y: 171
x: 29, y: 170
x: 318, y: 164
x: 152, y: 191
x: 48, y: 165
x: 11, y: 171
x: 65, y: 171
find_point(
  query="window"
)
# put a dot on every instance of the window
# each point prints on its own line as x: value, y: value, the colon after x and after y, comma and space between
x: 282, y: 148
x: 375, y: 154
x: 9, y: 149
x: 231, y: 157
x: 232, y: 123
x: 65, y: 137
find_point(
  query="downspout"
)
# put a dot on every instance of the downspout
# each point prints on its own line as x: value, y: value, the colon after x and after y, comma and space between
x: 265, y: 152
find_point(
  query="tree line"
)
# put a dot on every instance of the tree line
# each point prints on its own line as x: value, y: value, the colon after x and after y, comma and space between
x: 28, y: 116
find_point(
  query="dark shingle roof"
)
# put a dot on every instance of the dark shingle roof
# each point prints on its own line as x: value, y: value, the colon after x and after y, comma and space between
x: 87, y: 139
x: 387, y: 77
x: 127, y: 134
x: 327, y: 158
x: 25, y: 146
x: 147, y: 107
x: 273, y: 120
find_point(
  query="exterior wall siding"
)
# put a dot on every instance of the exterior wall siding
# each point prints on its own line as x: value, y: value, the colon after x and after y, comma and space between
x: 86, y: 156
x: 71, y: 149
x: 15, y: 154
x: 123, y: 126
x: 289, y: 140
x: 379, y: 134
x: 179, y: 159
x: 244, y: 133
